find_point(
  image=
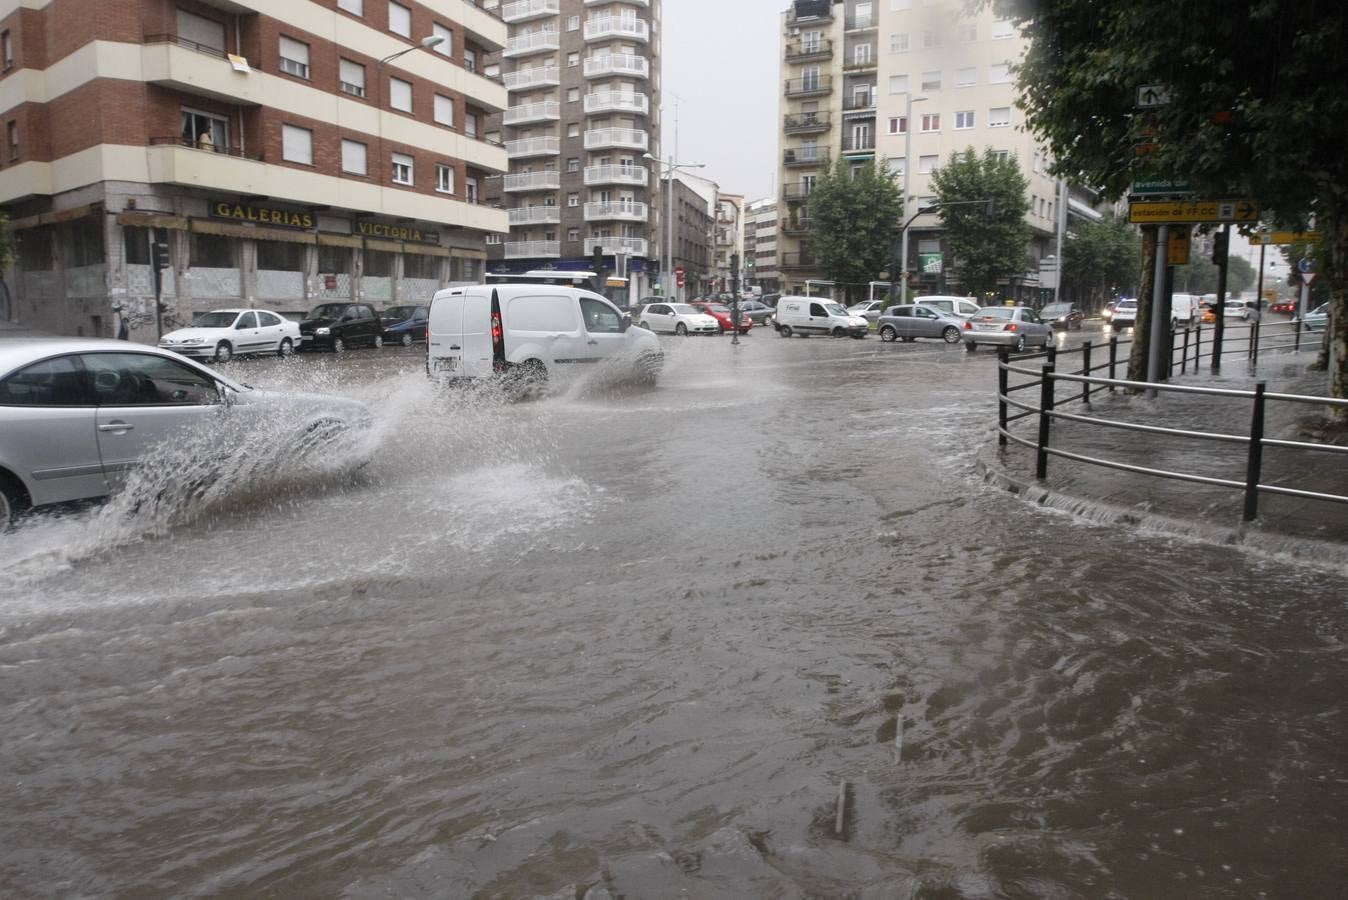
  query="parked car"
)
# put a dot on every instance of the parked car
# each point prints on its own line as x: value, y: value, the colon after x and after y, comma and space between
x: 869, y: 310
x: 1284, y: 306
x: 338, y: 326
x: 911, y: 322
x: 722, y: 316
x: 1062, y: 315
x: 677, y: 318
x: 1317, y: 319
x: 77, y: 415
x: 755, y: 311
x: 813, y: 315
x: 1125, y: 314
x: 222, y: 334
x: 1006, y: 326
x: 405, y: 324
x: 770, y: 299
x: 962, y: 307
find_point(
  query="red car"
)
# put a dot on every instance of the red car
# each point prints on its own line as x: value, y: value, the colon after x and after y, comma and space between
x: 722, y: 315
x: 1284, y: 306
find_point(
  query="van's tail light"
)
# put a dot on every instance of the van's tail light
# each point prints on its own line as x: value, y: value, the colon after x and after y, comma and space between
x: 496, y: 332
x: 1012, y: 327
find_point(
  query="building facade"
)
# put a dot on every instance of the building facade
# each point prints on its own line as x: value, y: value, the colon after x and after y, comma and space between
x: 583, y: 116
x: 729, y: 243
x: 760, y: 245
x: 691, y: 251
x: 269, y: 154
x: 862, y: 78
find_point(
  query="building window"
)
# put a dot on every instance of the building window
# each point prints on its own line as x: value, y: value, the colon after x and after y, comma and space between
x: 931, y: 39
x: 966, y: 77
x: 1002, y: 155
x: 444, y: 110
x: 999, y: 116
x: 573, y: 130
x: 573, y: 234
x: 355, y: 7
x: 297, y: 145
x: 353, y: 157
x: 964, y: 120
x: 999, y: 73
x: 493, y: 238
x: 402, y: 169
x: 898, y: 125
x: 926, y: 164
x: 1003, y: 30
x: 896, y: 166
x: 213, y: 251
x: 400, y: 94
x: 900, y: 5
x: 898, y: 84
x: 931, y: 122
x: 470, y: 124
x: 205, y: 132
x: 573, y: 23
x: 931, y: 81
x: 351, y: 78
x: 7, y: 50
x: 1038, y: 162
x: 572, y: 59
x: 294, y: 57
x: 572, y: 95
x: 400, y: 19
x: 573, y: 200
x: 861, y: 54
x: 444, y: 178
x: 898, y: 42
x: 12, y: 138
x: 470, y: 190
x: 470, y: 59
x: 968, y: 32
x: 573, y: 164
x: 446, y: 46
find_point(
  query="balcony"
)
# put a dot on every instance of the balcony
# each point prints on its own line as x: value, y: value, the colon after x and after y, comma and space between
x: 633, y: 175
x: 804, y: 156
x: 173, y: 62
x: 540, y: 111
x: 531, y: 43
x: 533, y: 250
x: 619, y: 210
x: 535, y: 215
x: 524, y: 10
x: 617, y: 28
x: 532, y: 181
x: 861, y: 22
x: 609, y: 64
x: 795, y: 193
x: 806, y: 123
x: 861, y: 102
x: 808, y: 51
x: 614, y: 245
x: 617, y: 102
x: 797, y: 227
x: 526, y: 148
x: 801, y: 260
x: 809, y: 12
x: 532, y: 77
x: 617, y: 138
x: 809, y: 87
x: 645, y: 3
x: 854, y: 143
x: 855, y: 65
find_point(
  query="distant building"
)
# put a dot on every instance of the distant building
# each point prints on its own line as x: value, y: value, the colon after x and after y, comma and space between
x: 729, y: 238
x: 760, y: 244
x: 282, y: 154
x: 692, y: 235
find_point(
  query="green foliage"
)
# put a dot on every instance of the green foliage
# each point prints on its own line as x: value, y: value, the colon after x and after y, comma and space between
x: 1324, y: 268
x: 1199, y: 276
x: 853, y: 222
x: 8, y: 245
x: 985, y: 248
x: 1102, y: 260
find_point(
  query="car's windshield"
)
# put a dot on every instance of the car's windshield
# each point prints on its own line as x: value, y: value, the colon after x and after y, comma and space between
x: 833, y: 309
x: 327, y: 311
x: 1321, y: 310
x: 1056, y: 309
x: 996, y: 312
x: 215, y: 320
x: 398, y: 313
x: 683, y: 309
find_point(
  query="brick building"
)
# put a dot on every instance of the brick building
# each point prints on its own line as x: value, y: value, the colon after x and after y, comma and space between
x: 284, y: 153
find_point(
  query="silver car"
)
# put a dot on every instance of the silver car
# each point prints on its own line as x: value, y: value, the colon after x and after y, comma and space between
x: 912, y: 322
x: 1006, y: 326
x: 78, y: 415
x: 1316, y: 319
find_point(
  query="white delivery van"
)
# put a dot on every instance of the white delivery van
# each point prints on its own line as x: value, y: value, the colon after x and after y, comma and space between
x: 1185, y: 310
x: 817, y: 315
x: 533, y: 332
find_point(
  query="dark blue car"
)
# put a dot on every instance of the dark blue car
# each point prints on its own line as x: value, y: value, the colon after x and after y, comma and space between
x: 404, y: 324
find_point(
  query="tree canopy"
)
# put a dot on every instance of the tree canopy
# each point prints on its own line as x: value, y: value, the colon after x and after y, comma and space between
x: 987, y: 246
x: 853, y: 221
x: 1102, y: 260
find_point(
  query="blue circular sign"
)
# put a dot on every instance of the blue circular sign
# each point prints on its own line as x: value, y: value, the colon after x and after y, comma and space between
x: 1305, y: 265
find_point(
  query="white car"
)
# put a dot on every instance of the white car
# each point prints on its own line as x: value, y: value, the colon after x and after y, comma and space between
x: 78, y: 415
x: 676, y: 318
x: 870, y: 310
x: 1125, y: 314
x: 962, y: 307
x: 222, y: 334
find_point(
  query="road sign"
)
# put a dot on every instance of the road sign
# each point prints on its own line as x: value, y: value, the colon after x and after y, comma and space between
x: 1152, y: 95
x: 1286, y: 237
x: 1177, y: 251
x: 1162, y: 212
x: 678, y: 275
x: 1160, y: 186
x: 1306, y: 265
x: 1307, y: 278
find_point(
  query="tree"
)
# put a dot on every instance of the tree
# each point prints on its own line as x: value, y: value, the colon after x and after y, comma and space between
x: 7, y: 251
x: 1101, y: 261
x: 1199, y: 276
x: 853, y: 221
x: 987, y: 246
x: 1252, y: 106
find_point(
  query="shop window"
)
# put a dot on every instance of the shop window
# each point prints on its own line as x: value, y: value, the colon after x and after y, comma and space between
x: 214, y: 251
x: 136, y: 244
x: 416, y: 265
x: 205, y: 131
x: 280, y: 256
x: 378, y: 264
x: 35, y: 245
x: 465, y: 269
x: 334, y: 260
x: 85, y: 244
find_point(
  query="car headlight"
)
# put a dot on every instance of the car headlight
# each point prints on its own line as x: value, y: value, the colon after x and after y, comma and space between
x: 322, y: 331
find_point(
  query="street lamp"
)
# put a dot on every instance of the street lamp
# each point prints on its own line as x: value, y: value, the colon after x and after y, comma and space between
x: 907, y: 180
x: 667, y: 265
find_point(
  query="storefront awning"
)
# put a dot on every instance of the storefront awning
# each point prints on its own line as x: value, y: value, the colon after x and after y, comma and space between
x: 53, y: 218
x: 252, y: 233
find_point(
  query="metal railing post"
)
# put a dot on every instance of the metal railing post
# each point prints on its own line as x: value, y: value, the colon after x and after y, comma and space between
x: 1053, y: 355
x: 1113, y: 358
x: 1255, y: 460
x: 1184, y: 356
x: 1296, y: 340
x: 1254, y: 341
x: 1003, y: 356
x: 1198, y: 344
x: 1086, y: 372
x: 1045, y: 407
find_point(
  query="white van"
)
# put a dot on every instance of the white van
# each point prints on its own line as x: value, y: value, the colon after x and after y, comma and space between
x: 1185, y: 309
x: 962, y: 307
x: 532, y: 332
x: 817, y: 315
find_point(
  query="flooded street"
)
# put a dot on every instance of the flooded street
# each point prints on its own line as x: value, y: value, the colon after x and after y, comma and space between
x: 637, y: 639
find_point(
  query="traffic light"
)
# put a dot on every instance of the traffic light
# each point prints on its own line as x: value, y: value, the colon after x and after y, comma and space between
x: 1219, y: 245
x: 598, y: 259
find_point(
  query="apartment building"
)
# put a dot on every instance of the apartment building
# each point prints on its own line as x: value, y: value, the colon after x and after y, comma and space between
x: 582, y: 132
x: 729, y: 243
x: 272, y: 154
x: 862, y: 77
x: 691, y: 237
x: 760, y: 244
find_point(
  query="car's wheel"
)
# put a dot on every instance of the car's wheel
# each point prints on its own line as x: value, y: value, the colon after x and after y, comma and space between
x: 839, y: 332
x: 287, y: 348
x: 13, y: 500
x: 888, y: 334
x: 950, y: 334
x: 223, y: 352
x: 407, y: 339
x: 970, y: 346
x: 1020, y: 343
x: 338, y: 345
x: 784, y: 331
x: 645, y: 325
x: 681, y: 330
x: 378, y: 341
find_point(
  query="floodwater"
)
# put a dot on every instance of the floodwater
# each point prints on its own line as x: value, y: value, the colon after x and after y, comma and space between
x: 761, y: 631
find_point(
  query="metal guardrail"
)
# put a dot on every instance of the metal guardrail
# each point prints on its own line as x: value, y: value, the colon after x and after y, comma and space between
x: 1047, y: 378
x: 238, y: 152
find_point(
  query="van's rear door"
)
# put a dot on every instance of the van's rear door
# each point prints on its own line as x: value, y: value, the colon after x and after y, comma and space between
x: 444, y: 336
x: 477, y: 342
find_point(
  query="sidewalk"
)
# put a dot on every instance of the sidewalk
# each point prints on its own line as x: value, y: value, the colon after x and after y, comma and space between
x: 1200, y: 510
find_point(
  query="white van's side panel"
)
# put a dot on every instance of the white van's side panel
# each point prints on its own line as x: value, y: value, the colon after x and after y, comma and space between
x: 543, y: 326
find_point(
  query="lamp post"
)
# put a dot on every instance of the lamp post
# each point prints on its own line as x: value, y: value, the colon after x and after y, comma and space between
x: 667, y: 263
x: 907, y: 180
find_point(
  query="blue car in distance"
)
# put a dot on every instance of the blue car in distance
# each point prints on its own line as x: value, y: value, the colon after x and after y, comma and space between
x: 405, y: 324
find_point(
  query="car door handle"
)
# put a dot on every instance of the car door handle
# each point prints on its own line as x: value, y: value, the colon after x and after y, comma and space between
x: 116, y: 426
x: 592, y: 341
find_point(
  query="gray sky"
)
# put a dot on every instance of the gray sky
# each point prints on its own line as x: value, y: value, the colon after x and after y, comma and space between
x: 721, y: 69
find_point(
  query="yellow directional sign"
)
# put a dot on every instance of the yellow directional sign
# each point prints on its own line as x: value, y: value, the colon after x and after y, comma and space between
x: 1287, y: 237
x: 1165, y: 212
x: 1177, y: 252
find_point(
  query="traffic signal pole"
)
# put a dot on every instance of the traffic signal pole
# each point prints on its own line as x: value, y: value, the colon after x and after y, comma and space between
x: 1221, y: 245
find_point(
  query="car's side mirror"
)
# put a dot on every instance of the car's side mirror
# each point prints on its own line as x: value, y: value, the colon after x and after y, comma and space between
x: 625, y: 323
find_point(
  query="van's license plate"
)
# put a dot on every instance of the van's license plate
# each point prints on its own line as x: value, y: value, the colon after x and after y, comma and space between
x: 445, y: 364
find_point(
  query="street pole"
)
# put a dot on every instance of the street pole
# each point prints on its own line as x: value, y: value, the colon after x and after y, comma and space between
x: 1159, y: 308
x: 734, y: 298
x: 907, y: 181
x: 1062, y: 229
x: 667, y: 269
x: 1219, y: 323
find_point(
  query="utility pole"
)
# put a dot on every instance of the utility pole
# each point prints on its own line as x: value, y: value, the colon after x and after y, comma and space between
x: 734, y: 298
x: 1221, y: 246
